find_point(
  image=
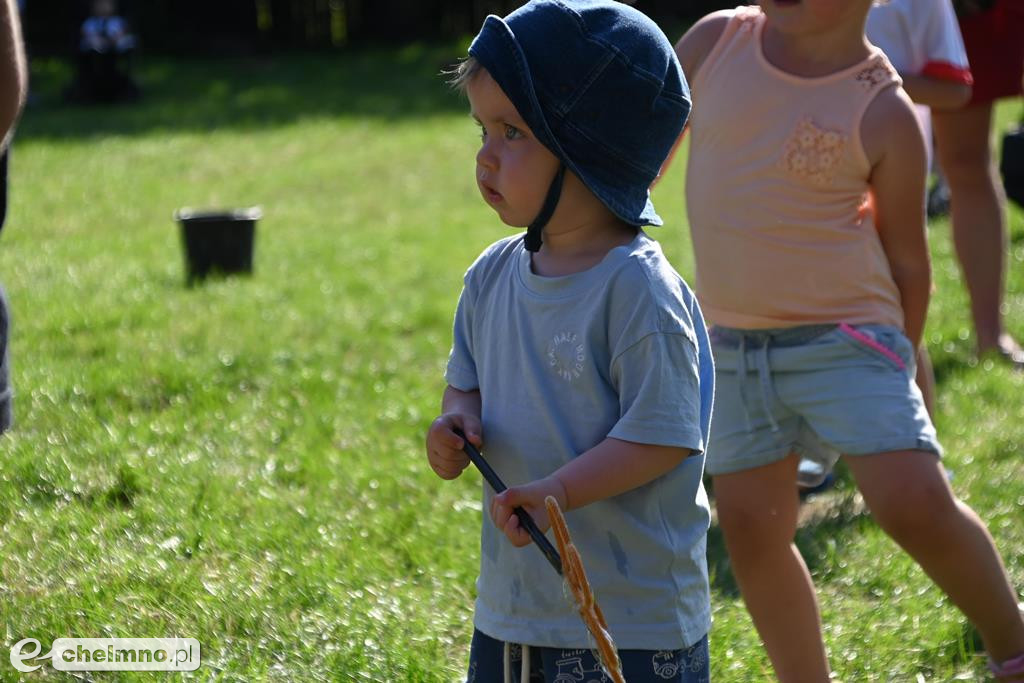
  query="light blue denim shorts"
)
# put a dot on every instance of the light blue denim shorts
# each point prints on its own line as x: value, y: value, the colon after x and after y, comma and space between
x: 816, y: 390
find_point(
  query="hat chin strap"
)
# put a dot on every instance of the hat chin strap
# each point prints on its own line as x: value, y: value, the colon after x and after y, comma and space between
x: 533, y: 231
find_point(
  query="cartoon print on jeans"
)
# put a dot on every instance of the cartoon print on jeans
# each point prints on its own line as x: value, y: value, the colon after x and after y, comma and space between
x: 694, y: 658
x: 570, y: 669
x: 664, y: 664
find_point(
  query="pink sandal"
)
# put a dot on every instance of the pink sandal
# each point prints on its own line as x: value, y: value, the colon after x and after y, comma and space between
x: 1009, y: 671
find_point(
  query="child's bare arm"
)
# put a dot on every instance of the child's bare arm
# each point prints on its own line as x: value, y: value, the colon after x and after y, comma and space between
x: 691, y: 50
x: 608, y: 469
x: 13, y: 75
x: 894, y: 144
x: 937, y: 93
x: 444, y: 448
x: 697, y: 43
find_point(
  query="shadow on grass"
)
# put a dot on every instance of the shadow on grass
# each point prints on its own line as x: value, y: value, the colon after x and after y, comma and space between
x: 251, y: 93
x: 826, y: 523
x: 947, y: 365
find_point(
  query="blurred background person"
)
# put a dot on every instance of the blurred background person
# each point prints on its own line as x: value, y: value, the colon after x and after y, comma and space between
x: 105, y: 31
x: 105, y: 54
x: 13, y: 86
x: 993, y: 34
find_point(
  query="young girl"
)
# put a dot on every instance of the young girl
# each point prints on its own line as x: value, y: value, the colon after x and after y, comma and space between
x: 805, y: 195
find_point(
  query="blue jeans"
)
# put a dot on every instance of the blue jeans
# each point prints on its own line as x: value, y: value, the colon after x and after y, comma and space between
x: 557, y: 665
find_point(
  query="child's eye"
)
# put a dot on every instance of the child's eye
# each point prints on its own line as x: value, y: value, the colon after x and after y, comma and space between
x: 483, y: 133
x: 512, y: 133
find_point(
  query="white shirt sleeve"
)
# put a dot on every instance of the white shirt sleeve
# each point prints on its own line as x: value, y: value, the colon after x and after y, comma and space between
x: 941, y: 45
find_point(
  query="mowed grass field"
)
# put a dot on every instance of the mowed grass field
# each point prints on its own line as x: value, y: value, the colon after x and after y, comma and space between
x: 242, y: 462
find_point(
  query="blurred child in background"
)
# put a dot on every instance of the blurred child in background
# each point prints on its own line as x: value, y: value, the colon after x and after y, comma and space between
x: 993, y: 34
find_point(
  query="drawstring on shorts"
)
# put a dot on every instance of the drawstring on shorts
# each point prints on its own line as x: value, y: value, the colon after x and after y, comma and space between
x: 764, y: 375
x: 524, y: 668
x: 765, y: 340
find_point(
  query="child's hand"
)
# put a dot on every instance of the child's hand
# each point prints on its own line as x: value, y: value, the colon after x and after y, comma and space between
x: 530, y: 497
x: 444, y: 447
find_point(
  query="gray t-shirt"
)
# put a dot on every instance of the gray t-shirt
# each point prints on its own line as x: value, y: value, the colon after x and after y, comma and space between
x: 562, y: 363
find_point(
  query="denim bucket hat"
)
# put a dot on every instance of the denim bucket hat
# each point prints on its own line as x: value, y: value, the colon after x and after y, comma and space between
x: 599, y: 85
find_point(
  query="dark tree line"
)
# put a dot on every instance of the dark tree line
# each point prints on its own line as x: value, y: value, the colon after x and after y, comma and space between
x: 243, y: 26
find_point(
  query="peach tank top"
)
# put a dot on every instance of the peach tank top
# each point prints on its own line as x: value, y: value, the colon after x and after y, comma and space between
x: 776, y: 191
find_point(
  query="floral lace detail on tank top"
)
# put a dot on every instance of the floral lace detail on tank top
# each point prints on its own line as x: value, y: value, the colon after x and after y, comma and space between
x: 812, y: 152
x: 877, y: 72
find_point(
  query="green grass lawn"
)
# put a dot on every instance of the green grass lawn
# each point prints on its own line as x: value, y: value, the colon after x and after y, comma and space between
x: 242, y: 463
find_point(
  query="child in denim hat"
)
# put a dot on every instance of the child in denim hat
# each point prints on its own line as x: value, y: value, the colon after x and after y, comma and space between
x: 805, y: 192
x: 580, y: 360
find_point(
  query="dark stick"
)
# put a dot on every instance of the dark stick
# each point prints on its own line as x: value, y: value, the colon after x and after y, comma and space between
x: 498, y: 485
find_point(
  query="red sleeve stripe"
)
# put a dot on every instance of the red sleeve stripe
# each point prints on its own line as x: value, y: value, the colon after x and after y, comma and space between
x: 948, y: 72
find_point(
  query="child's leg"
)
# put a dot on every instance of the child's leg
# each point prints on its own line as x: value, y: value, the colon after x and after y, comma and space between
x: 979, y: 218
x: 909, y: 496
x: 757, y: 512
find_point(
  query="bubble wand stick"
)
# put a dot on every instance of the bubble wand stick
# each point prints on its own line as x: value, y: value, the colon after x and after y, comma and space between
x: 524, y: 517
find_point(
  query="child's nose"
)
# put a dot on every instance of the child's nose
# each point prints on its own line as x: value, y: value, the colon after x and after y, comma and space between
x: 486, y: 157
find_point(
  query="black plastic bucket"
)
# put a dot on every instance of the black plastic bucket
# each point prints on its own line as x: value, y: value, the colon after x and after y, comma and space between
x: 217, y: 242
